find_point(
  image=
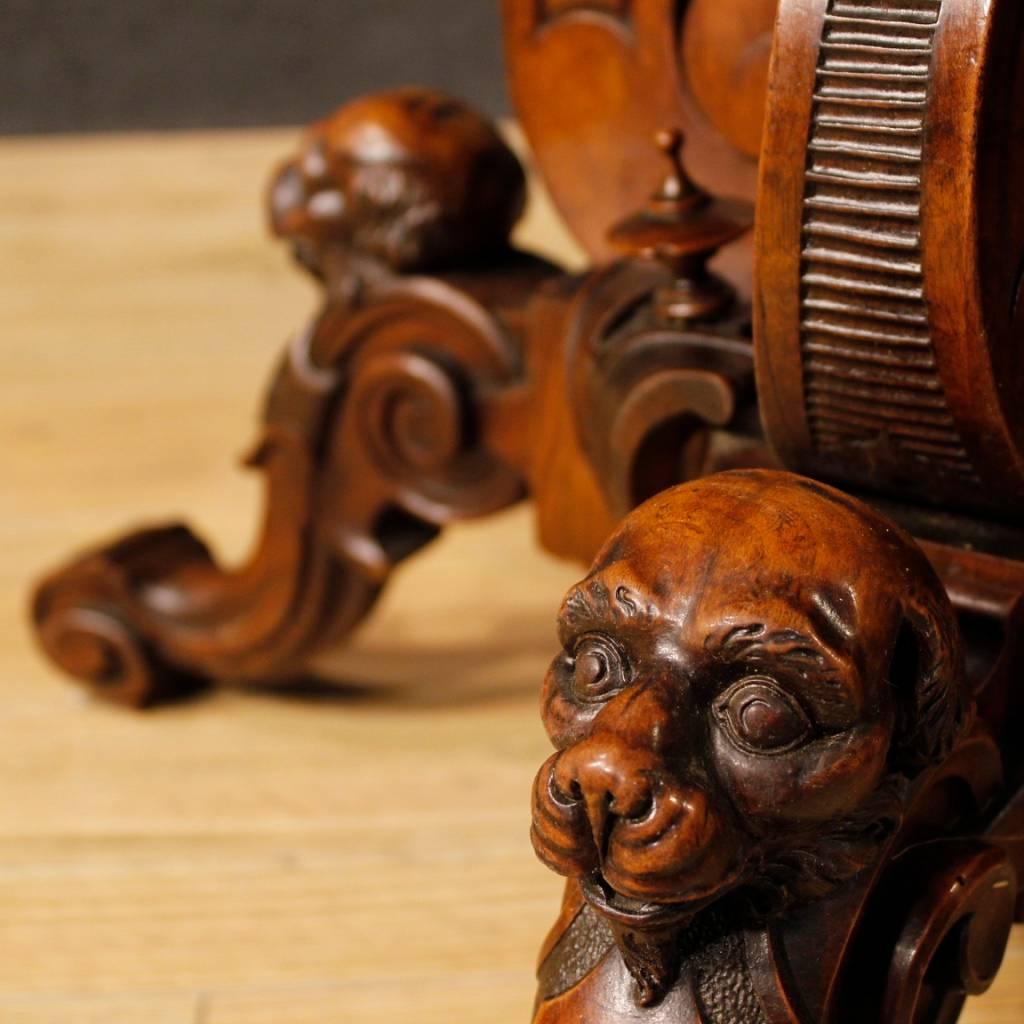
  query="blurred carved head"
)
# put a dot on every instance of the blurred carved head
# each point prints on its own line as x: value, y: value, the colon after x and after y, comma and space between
x: 413, y: 179
x: 751, y: 668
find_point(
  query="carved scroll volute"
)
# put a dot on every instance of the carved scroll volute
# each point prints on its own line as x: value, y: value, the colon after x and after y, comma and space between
x: 656, y: 349
x: 889, y: 248
x: 420, y: 361
x: 380, y: 425
x: 372, y: 441
x: 593, y: 81
x: 953, y: 942
x: 935, y: 933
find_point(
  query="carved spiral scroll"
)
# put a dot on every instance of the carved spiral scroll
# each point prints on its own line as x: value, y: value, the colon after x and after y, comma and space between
x: 416, y: 414
x: 419, y: 363
x: 412, y: 414
x: 953, y: 942
x: 90, y: 630
x: 373, y: 438
x: 646, y: 396
x: 98, y: 647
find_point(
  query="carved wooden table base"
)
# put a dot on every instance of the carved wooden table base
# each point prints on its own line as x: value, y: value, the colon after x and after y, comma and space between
x: 787, y: 786
x: 409, y: 402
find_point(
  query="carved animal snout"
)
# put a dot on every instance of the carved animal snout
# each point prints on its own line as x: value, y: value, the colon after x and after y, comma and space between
x: 610, y: 785
x: 604, y: 806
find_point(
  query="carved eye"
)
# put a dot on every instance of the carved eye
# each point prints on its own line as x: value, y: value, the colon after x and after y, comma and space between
x: 762, y: 717
x: 599, y: 669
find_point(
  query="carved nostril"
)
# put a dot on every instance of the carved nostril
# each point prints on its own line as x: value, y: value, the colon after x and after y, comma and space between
x: 564, y: 783
x: 641, y: 809
x: 634, y: 796
x: 565, y: 792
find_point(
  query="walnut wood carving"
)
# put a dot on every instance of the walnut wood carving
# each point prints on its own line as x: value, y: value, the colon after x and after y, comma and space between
x: 788, y: 786
x: 382, y: 424
x: 445, y: 376
x: 592, y: 82
x: 761, y: 712
x: 887, y: 337
x: 891, y: 248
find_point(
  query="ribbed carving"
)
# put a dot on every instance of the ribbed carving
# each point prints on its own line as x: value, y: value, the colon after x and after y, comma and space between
x: 869, y: 371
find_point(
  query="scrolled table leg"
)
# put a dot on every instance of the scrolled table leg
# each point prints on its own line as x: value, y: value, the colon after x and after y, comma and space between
x: 377, y: 429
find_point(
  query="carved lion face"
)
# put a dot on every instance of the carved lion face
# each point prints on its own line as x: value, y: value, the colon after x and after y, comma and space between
x: 410, y: 178
x: 751, y: 659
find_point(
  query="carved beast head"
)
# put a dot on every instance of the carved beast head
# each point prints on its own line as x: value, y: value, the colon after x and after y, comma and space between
x: 751, y: 667
x: 412, y: 179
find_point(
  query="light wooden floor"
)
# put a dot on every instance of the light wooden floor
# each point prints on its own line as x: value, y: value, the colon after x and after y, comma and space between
x: 244, y: 859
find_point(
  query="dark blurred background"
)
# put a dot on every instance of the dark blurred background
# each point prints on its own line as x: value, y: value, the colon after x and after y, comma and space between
x: 99, y: 65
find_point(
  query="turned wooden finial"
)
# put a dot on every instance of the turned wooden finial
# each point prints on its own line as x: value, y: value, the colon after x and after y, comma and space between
x: 677, y: 184
x: 683, y: 227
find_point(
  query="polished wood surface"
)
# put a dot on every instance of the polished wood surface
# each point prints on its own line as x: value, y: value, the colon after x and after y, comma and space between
x: 887, y: 295
x: 398, y: 408
x: 446, y: 374
x: 593, y: 82
x: 761, y: 715
x: 890, y: 246
x: 255, y: 857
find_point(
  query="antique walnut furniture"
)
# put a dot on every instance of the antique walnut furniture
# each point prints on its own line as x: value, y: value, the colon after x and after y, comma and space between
x: 772, y: 791
x: 787, y: 779
x: 447, y: 374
